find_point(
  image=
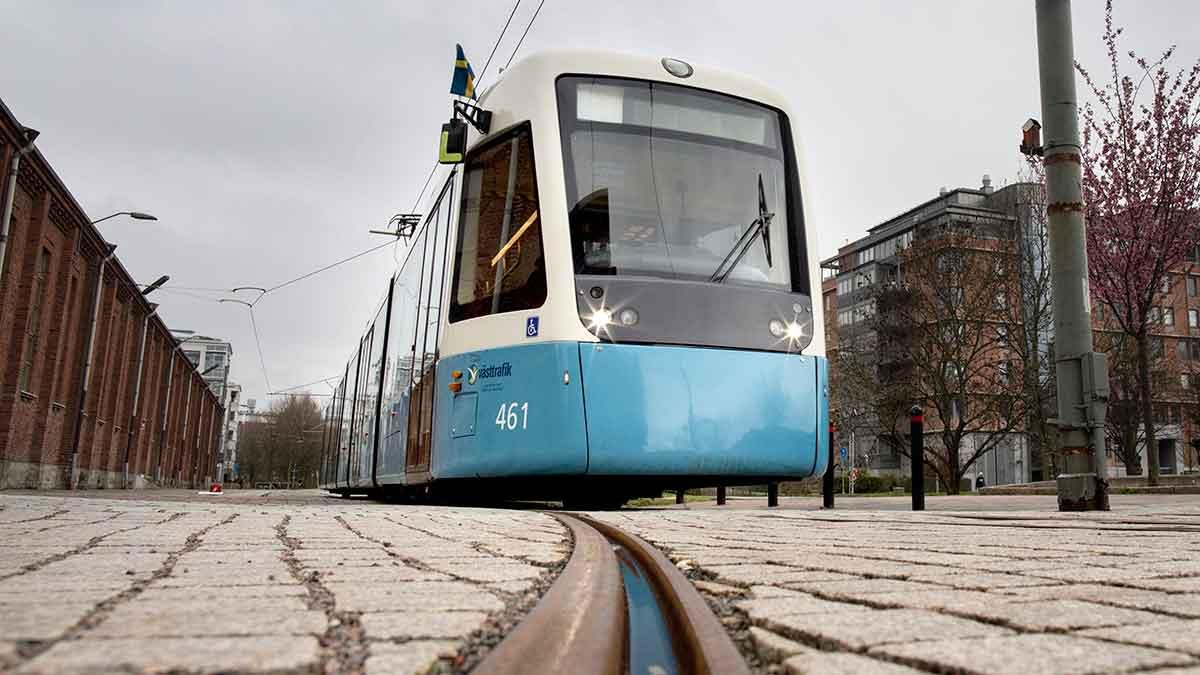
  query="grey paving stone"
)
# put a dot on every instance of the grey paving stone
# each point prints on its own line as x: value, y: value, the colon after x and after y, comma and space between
x: 856, y: 630
x: 1179, y: 635
x: 859, y: 587
x: 1185, y: 605
x: 198, y: 655
x: 775, y: 647
x: 978, y: 580
x: 1177, y: 585
x: 841, y: 663
x: 760, y: 609
x: 410, y: 657
x: 196, y: 620
x: 1061, y: 615
x: 1024, y: 654
x: 421, y: 624
x: 39, y: 621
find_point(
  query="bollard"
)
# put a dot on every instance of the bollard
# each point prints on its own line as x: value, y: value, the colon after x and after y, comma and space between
x: 679, y: 496
x: 917, y: 450
x: 721, y: 496
x: 827, y: 480
x: 772, y: 494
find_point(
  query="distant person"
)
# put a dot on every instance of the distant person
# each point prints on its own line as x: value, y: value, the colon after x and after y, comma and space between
x: 979, y: 482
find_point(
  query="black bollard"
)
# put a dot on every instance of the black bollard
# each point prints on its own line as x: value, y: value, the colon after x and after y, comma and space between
x: 679, y: 496
x: 721, y: 496
x: 917, y: 451
x: 772, y: 494
x: 827, y: 479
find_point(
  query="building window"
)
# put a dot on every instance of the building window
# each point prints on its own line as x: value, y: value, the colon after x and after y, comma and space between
x: 192, y: 356
x: 1193, y: 350
x: 866, y: 255
x: 1191, y: 256
x: 1165, y: 287
x: 845, y: 285
x: 1168, y: 316
x: 33, y: 329
x: 1193, y: 286
x: 517, y: 280
x: 1193, y: 318
x: 845, y: 317
x: 1000, y: 302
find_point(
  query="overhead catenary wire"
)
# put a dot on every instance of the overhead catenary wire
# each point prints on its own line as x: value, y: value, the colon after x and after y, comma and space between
x: 527, y: 27
x: 497, y: 44
x: 307, y: 384
x: 317, y: 271
x: 258, y: 342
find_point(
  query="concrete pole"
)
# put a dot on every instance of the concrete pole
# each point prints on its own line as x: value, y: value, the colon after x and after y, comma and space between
x: 1082, y: 374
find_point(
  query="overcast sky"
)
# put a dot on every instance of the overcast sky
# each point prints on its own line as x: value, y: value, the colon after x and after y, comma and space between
x: 268, y: 137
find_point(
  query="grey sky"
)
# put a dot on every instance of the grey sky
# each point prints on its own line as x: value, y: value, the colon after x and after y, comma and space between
x: 268, y: 137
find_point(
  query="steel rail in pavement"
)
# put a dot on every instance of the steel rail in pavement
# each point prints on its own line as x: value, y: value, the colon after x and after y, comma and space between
x: 582, y: 624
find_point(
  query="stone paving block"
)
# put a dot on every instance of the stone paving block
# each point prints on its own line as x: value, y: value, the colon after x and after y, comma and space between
x: 1168, y: 585
x: 419, y: 624
x: 221, y: 593
x: 179, y: 620
x: 194, y: 655
x: 1185, y: 605
x: 385, y: 573
x: 1180, y: 635
x: 519, y: 586
x: 980, y: 581
x: 858, y: 587
x: 1062, y: 615
x: 960, y: 601
x: 772, y: 574
x: 488, y: 570
x: 775, y: 647
x: 418, y: 595
x: 798, y: 603
x: 857, y: 631
x: 841, y: 663
x: 39, y: 621
x: 1024, y: 654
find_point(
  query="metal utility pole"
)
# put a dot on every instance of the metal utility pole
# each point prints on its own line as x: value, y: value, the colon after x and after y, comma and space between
x: 1082, y: 373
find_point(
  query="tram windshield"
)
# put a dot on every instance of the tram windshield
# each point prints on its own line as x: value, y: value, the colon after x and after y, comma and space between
x: 663, y: 181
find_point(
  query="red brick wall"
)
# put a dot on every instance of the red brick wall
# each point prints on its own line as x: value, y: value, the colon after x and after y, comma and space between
x: 38, y: 422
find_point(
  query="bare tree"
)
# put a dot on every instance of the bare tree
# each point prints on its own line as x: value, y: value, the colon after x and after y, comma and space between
x: 1141, y: 189
x: 947, y: 334
x: 286, y: 447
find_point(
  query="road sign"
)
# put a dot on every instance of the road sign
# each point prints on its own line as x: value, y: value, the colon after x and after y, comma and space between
x: 844, y: 453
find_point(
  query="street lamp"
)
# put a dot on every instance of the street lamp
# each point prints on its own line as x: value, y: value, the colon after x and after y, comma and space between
x: 136, y: 215
x: 155, y: 285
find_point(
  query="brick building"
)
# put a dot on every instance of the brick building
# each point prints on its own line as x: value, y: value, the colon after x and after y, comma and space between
x: 74, y: 326
x: 981, y: 228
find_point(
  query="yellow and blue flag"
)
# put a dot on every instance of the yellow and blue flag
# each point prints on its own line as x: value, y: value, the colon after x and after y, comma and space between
x: 464, y: 77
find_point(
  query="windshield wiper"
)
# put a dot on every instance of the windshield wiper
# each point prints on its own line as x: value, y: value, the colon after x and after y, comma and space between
x: 742, y: 246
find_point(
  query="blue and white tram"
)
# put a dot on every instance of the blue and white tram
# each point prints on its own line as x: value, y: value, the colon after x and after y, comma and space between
x: 612, y: 295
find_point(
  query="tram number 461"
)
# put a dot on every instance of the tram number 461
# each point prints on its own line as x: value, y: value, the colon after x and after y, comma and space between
x: 512, y: 414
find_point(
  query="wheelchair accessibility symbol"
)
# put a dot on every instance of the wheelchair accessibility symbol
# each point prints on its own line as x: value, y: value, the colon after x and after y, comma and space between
x: 531, y: 327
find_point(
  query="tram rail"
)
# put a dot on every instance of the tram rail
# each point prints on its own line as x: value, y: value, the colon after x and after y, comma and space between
x: 619, y: 606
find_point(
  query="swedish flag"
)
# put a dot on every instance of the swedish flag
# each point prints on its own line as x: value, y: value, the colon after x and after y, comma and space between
x: 464, y: 77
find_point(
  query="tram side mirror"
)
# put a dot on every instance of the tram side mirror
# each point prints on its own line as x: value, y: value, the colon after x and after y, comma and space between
x: 454, y: 142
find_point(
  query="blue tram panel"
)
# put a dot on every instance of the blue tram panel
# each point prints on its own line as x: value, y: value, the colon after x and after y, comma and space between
x: 520, y: 413
x: 680, y: 411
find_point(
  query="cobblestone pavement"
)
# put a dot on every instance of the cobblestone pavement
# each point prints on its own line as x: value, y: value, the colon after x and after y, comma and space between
x: 207, y: 584
x: 300, y: 582
x: 895, y: 592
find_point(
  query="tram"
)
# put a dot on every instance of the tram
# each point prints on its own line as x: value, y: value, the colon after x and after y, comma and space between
x: 611, y: 295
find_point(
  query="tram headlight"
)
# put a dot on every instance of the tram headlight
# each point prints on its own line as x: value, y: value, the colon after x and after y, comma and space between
x: 601, y: 319
x: 628, y: 316
x: 794, y: 330
x: 777, y: 328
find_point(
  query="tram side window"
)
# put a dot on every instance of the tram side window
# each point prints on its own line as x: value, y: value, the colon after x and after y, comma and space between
x: 484, y: 283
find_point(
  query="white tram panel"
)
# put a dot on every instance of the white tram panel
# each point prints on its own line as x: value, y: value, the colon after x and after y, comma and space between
x: 526, y: 93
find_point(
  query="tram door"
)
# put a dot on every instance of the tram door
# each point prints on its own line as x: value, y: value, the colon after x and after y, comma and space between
x: 433, y: 242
